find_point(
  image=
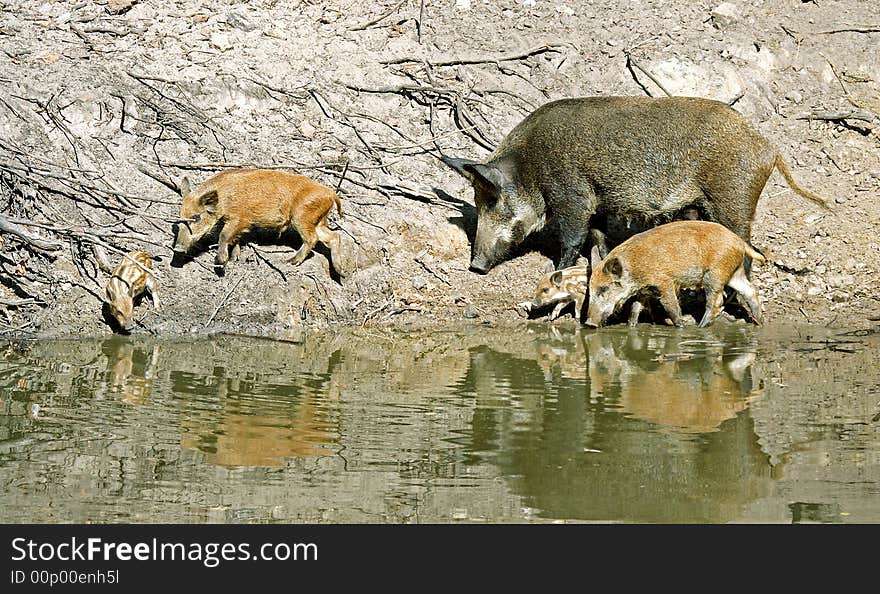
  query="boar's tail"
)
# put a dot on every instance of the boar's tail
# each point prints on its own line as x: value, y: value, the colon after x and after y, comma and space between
x: 786, y: 173
x: 755, y: 255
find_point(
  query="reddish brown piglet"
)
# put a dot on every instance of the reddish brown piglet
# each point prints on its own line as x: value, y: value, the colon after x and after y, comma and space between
x: 668, y: 258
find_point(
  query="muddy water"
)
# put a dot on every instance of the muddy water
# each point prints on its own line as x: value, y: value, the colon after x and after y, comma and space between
x: 731, y: 424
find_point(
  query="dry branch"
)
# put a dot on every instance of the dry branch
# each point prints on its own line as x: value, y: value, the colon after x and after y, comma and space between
x: 7, y: 226
x: 382, y: 17
x: 552, y: 47
x: 853, y: 29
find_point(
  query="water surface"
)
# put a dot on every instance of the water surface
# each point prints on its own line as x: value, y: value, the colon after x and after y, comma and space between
x: 727, y: 424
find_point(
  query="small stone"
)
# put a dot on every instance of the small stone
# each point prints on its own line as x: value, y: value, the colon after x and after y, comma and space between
x: 815, y: 290
x: 462, y: 4
x: 794, y: 96
x: 470, y: 312
x: 725, y: 15
x: 119, y: 6
x: 419, y: 283
x: 221, y: 41
x: 307, y: 129
x: 240, y: 21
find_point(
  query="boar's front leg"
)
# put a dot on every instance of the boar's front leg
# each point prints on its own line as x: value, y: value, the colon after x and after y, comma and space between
x: 634, y: 313
x: 572, y: 238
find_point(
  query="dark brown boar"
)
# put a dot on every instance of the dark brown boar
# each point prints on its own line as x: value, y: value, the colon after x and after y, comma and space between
x: 643, y: 159
x: 246, y: 199
x: 668, y: 258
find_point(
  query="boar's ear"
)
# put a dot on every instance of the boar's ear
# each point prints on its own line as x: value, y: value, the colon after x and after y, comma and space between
x: 489, y: 175
x: 183, y: 186
x: 595, y: 258
x: 460, y: 166
x: 614, y: 268
x: 556, y: 278
x: 209, y: 201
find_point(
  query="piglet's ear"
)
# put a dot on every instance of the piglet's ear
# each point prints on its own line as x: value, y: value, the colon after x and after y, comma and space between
x: 556, y: 278
x: 595, y: 258
x: 209, y: 201
x: 183, y: 186
x: 613, y: 268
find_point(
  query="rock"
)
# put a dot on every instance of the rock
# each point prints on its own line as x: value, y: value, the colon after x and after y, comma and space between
x: 307, y: 129
x: 683, y: 77
x: 419, y: 283
x: 462, y: 4
x: 221, y: 41
x: 725, y: 15
x: 120, y: 6
x: 840, y: 280
x: 470, y: 312
x: 240, y: 21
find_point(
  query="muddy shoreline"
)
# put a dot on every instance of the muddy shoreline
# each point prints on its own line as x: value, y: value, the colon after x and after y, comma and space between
x: 97, y: 127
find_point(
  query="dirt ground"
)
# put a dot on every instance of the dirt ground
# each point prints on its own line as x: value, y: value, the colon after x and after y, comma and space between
x: 105, y: 105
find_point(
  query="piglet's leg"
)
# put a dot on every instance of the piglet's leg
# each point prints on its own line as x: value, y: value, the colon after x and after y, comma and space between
x: 331, y: 240
x: 556, y: 310
x: 740, y: 283
x: 714, y: 301
x: 153, y: 288
x: 669, y: 301
x: 634, y: 313
x: 228, y: 236
x: 309, y: 238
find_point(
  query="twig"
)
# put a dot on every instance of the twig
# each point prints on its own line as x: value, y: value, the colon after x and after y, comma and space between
x: 540, y: 49
x: 853, y: 29
x: 631, y: 63
x: 223, y: 301
x: 421, y: 21
x: 47, y: 245
x: 384, y: 15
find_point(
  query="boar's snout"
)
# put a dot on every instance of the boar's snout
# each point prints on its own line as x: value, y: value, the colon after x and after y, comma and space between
x: 589, y: 323
x: 480, y: 265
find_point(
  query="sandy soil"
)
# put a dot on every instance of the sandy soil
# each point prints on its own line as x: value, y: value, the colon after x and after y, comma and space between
x: 99, y: 100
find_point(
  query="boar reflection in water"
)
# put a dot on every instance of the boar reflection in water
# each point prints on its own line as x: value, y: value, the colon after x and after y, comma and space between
x: 248, y: 432
x: 686, y: 396
x: 130, y: 371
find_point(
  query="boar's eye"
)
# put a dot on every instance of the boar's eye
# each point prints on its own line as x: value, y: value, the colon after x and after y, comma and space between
x: 196, y: 217
x: 601, y: 291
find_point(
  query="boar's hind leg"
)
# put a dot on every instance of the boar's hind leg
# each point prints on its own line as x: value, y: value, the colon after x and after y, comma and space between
x: 740, y: 283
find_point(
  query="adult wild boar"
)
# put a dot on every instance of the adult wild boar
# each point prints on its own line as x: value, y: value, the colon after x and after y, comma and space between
x: 631, y: 158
